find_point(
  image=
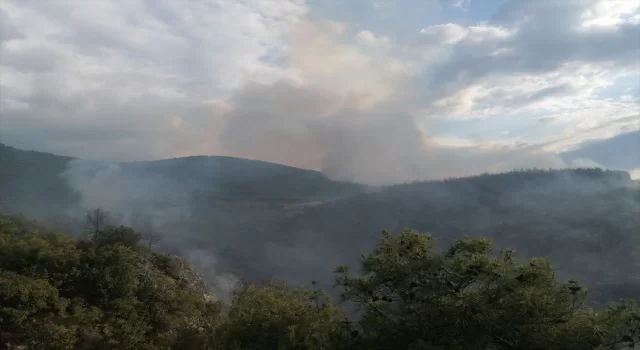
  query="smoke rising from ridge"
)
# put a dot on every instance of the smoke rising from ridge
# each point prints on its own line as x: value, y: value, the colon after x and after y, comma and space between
x: 354, y: 120
x: 147, y: 201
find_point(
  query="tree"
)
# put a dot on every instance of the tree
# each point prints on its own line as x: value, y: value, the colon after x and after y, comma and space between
x: 414, y: 297
x: 143, y: 223
x: 152, y: 237
x: 96, y: 220
x: 28, y: 309
x: 279, y: 317
x: 60, y: 293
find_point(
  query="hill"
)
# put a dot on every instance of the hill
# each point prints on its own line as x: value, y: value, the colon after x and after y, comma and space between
x: 202, y: 203
x: 259, y: 220
x: 30, y: 182
x: 586, y: 221
x: 37, y: 182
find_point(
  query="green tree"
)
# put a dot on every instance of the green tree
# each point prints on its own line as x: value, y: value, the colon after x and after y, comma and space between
x: 414, y: 297
x: 278, y: 317
x: 30, y: 310
x: 60, y: 293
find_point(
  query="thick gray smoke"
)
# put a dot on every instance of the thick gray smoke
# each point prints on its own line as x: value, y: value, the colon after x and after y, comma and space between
x: 109, y: 186
x: 545, y: 217
x: 311, y: 127
x: 150, y: 202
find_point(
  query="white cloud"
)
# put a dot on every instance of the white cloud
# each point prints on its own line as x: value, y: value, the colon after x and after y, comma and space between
x: 336, y: 27
x: 130, y: 67
x: 368, y: 38
x: 609, y: 14
x: 382, y: 5
x: 462, y: 4
x: 443, y: 34
x: 537, y: 58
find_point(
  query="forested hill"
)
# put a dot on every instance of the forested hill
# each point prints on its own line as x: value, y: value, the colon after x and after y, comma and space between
x: 37, y: 182
x: 264, y: 220
x: 30, y: 182
x: 586, y: 221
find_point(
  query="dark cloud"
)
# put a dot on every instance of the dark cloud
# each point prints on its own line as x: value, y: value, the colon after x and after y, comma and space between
x: 8, y: 28
x: 532, y: 37
x: 620, y: 152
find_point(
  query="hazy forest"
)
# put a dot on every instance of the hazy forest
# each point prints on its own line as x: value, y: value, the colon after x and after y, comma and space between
x: 226, y: 253
x: 320, y: 174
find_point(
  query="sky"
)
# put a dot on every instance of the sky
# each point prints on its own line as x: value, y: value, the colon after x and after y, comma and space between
x: 378, y: 91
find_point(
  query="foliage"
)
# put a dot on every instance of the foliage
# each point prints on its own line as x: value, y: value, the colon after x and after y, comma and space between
x: 278, y: 317
x: 60, y: 293
x: 470, y: 298
x: 57, y: 292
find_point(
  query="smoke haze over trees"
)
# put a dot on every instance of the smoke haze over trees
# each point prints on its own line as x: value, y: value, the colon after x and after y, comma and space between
x: 57, y: 292
x: 237, y: 219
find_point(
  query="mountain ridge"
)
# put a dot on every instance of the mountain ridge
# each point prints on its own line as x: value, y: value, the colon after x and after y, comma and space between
x: 297, y: 224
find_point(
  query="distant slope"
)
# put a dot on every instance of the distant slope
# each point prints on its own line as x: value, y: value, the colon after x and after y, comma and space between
x: 587, y: 221
x: 270, y: 220
x: 247, y: 180
x: 32, y: 182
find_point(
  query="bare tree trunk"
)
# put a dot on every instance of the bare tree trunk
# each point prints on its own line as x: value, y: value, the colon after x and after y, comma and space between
x: 96, y: 220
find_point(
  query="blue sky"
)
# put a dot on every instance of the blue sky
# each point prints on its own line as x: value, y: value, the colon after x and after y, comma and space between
x: 375, y: 91
x: 402, y: 18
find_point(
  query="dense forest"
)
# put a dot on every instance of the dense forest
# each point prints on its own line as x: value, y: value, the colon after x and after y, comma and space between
x: 109, y: 292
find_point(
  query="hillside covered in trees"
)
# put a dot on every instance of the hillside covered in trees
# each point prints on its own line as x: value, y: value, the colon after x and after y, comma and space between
x: 255, y: 221
x: 109, y: 292
x: 587, y: 221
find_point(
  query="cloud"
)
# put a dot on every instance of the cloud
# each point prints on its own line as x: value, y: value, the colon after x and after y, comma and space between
x: 462, y: 4
x: 614, y: 153
x: 272, y: 80
x: 546, y: 44
x: 368, y: 38
x: 123, y: 73
x: 383, y: 5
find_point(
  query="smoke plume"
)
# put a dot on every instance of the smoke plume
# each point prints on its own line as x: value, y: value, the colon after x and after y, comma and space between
x: 150, y: 202
x: 352, y: 117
